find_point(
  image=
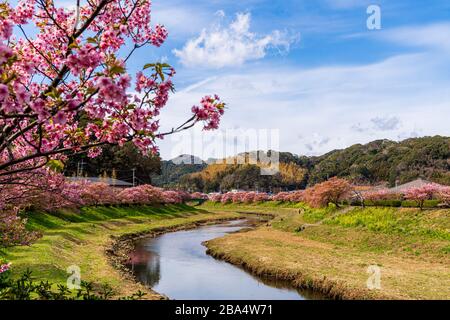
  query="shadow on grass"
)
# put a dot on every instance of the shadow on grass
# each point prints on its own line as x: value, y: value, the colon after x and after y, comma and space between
x: 60, y: 219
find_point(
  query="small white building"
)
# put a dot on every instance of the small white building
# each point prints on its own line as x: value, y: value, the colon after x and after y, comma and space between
x: 412, y: 184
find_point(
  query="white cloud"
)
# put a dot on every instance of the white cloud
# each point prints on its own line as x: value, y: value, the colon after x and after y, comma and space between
x: 230, y: 46
x: 321, y: 105
x: 386, y: 123
x: 433, y: 36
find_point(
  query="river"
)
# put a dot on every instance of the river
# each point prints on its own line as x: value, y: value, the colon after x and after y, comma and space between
x: 176, y: 264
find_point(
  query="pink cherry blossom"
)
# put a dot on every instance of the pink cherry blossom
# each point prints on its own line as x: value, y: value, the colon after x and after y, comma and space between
x: 5, y: 267
x: 4, y: 91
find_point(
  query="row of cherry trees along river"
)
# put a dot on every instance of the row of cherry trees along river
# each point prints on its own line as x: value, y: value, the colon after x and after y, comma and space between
x: 54, y: 192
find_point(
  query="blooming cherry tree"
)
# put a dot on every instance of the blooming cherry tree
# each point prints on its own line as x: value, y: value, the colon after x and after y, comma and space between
x: 444, y: 195
x: 66, y: 89
x: 420, y: 194
x: 333, y: 191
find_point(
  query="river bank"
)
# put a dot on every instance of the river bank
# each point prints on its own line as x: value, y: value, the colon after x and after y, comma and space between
x: 331, y: 250
x: 326, y: 250
x: 84, y: 238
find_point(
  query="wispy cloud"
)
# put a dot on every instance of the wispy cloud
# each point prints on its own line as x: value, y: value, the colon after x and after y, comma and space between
x: 433, y: 36
x: 385, y: 123
x: 232, y: 45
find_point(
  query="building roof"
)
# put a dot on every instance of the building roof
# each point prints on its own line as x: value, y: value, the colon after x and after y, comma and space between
x: 109, y: 181
x: 413, y: 184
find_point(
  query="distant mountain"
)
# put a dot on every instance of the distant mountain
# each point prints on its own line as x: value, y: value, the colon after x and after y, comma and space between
x: 187, y: 159
x: 380, y: 161
x: 172, y: 170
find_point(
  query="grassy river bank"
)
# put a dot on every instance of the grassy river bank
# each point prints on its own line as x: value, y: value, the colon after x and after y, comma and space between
x: 327, y: 250
x: 330, y: 250
x: 83, y: 238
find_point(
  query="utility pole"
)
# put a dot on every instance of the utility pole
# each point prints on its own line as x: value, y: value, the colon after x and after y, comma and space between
x: 80, y: 167
x: 134, y: 177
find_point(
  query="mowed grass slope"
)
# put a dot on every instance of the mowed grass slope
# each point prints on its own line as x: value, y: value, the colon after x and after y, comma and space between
x: 331, y: 249
x: 81, y: 239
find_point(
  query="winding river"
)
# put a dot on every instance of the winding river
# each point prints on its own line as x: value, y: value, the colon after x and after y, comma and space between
x: 176, y: 264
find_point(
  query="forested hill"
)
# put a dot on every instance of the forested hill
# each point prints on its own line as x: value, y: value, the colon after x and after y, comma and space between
x: 385, y: 160
x: 374, y: 162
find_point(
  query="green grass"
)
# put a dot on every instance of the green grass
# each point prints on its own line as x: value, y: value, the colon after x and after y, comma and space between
x: 46, y: 221
x: 313, y: 215
x: 433, y: 224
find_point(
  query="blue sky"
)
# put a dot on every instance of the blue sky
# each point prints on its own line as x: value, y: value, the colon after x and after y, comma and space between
x: 309, y: 68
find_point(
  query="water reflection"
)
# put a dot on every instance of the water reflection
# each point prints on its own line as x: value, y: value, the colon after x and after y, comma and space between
x: 175, y: 264
x: 146, y: 266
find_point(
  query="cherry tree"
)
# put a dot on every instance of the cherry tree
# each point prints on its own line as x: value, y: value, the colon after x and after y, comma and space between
x: 144, y: 194
x: 199, y: 195
x: 217, y: 197
x: 281, y: 196
x: 249, y: 197
x: 97, y: 194
x: 444, y: 195
x: 261, y: 197
x: 332, y: 191
x: 296, y: 196
x: 420, y: 194
x: 226, y: 198
x: 65, y: 89
x: 382, y: 194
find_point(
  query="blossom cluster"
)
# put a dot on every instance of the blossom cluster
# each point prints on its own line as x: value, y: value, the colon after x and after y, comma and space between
x: 294, y: 196
x: 210, y: 110
x: 13, y: 229
x: 239, y: 197
x: 5, y: 267
x: 444, y: 195
x: 199, y: 195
